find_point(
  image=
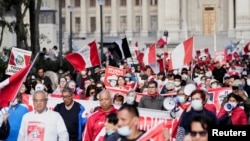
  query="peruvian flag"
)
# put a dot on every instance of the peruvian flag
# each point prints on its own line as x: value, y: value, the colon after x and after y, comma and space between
x: 84, y: 58
x: 182, y: 54
x: 203, y: 56
x: 10, y: 86
x: 247, y: 48
x: 162, y: 41
x: 19, y: 58
x: 148, y: 56
x: 136, y: 50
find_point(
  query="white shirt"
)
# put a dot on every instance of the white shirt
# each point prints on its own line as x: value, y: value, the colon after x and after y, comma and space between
x: 46, y: 126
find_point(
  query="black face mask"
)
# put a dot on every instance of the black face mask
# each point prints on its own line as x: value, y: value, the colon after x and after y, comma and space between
x: 98, y: 90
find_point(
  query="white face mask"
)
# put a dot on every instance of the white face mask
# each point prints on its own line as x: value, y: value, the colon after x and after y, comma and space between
x: 176, y: 83
x: 124, y: 131
x: 180, y: 99
x: 197, y: 105
x: 102, y: 79
x: 130, y: 100
x: 234, y: 104
x: 214, y: 85
x: 248, y: 82
x: 14, y: 103
x: 117, y: 106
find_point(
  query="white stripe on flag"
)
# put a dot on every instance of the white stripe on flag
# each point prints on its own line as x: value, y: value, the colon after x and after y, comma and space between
x: 85, y: 53
x: 177, y: 56
x: 4, y: 83
x: 119, y: 43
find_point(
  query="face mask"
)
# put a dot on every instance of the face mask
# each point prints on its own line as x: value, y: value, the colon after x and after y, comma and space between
x: 248, y: 82
x: 180, y: 99
x: 110, y: 132
x: 124, y: 131
x: 117, y: 106
x: 214, y: 85
x: 121, y: 66
x: 98, y: 90
x: 130, y: 100
x: 127, y: 79
x: 234, y: 104
x: 102, y: 79
x: 202, y: 82
x: 197, y: 105
x: 177, y: 83
x: 83, y: 72
x: 14, y: 103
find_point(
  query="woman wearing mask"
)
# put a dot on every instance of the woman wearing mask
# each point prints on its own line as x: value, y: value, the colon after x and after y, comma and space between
x: 198, y: 100
x: 131, y: 98
x: 231, y: 113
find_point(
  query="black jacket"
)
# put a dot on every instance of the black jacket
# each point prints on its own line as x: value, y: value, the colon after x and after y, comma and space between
x: 4, y: 131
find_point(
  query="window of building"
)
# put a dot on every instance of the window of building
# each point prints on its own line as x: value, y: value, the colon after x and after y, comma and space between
x: 123, y: 2
x: 137, y: 23
x: 123, y: 23
x: 137, y: 2
x: 107, y: 24
x: 77, y: 24
x: 63, y: 24
x: 77, y: 3
x: 47, y: 17
x: 92, y: 3
x: 153, y: 2
x: 107, y: 3
x: 92, y: 24
x: 153, y: 25
x: 63, y: 3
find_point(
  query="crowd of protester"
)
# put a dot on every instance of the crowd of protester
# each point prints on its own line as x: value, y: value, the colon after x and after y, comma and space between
x: 118, y: 115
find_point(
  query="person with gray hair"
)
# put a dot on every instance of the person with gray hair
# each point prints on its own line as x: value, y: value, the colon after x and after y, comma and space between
x: 131, y: 98
x: 42, y: 124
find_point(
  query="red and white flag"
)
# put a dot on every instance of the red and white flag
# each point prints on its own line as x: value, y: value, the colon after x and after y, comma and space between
x: 19, y: 58
x: 149, y: 55
x: 182, y: 54
x: 10, y: 86
x: 162, y: 41
x: 84, y: 58
x: 247, y: 48
x: 156, y: 133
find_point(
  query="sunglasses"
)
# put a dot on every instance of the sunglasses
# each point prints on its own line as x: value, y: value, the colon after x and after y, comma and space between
x: 201, y: 133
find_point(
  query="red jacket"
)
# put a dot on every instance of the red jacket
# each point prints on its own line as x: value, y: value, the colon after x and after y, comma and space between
x: 211, y: 107
x: 238, y: 117
x: 95, y: 123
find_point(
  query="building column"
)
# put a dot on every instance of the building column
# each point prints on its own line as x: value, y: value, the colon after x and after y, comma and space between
x: 184, y: 27
x: 98, y: 19
x: 84, y: 20
x: 145, y: 18
x: 172, y: 18
x: 161, y: 17
x: 129, y: 31
x: 67, y: 17
x: 114, y: 10
x: 230, y: 19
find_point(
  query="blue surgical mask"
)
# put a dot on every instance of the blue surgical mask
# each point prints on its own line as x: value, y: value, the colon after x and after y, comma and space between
x: 110, y: 132
x: 180, y: 99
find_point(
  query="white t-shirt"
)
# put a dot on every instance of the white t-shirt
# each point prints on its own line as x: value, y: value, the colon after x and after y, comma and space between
x: 47, y: 126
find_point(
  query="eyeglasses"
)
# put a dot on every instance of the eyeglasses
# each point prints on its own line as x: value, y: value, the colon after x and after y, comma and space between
x: 201, y: 133
x: 151, y: 87
x: 66, y: 96
x: 39, y: 100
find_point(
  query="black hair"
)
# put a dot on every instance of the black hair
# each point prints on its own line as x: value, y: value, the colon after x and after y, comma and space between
x: 206, y: 122
x: 153, y: 82
x: 131, y: 109
x: 237, y: 97
x: 112, y: 118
